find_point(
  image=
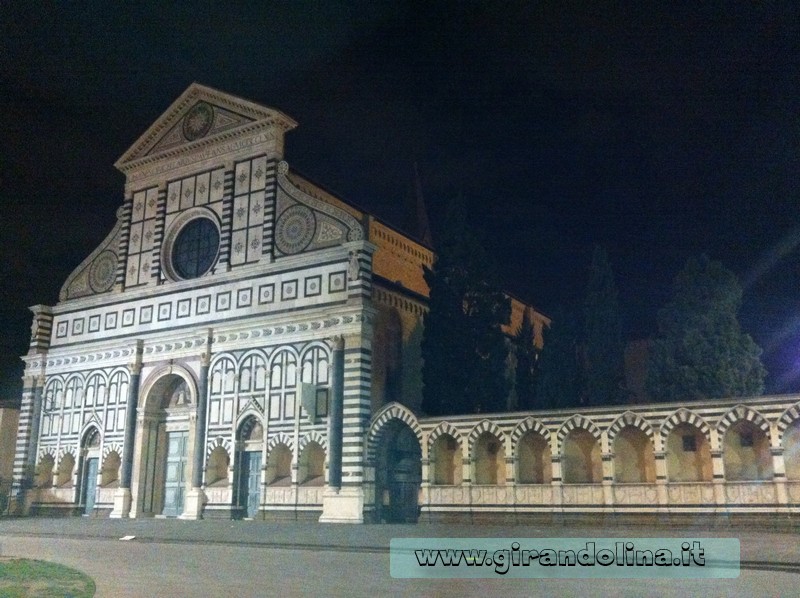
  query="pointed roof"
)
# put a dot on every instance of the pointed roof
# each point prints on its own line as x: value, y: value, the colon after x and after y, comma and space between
x: 200, y: 116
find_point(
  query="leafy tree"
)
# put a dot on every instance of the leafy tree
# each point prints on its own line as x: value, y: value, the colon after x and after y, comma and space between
x: 701, y: 352
x: 559, y: 379
x: 525, y: 370
x: 603, y: 345
x: 463, y: 347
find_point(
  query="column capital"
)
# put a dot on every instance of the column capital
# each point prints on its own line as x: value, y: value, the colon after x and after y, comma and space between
x: 205, y: 356
x: 337, y: 343
x: 135, y: 367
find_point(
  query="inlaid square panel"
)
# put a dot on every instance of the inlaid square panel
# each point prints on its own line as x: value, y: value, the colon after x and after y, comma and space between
x: 94, y: 323
x: 266, y: 293
x: 224, y: 301
x: 288, y: 290
x: 336, y: 282
x: 77, y: 326
x: 145, y: 314
x: 203, y: 305
x: 244, y: 297
x: 313, y: 286
x: 164, y: 311
x: 184, y: 308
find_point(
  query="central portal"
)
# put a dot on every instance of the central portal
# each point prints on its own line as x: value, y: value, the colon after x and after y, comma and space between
x: 165, y: 463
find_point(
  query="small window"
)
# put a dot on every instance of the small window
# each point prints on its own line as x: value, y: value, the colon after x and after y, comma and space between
x: 746, y: 439
x: 689, y: 444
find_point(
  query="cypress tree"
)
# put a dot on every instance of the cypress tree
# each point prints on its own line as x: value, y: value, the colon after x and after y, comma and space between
x: 559, y: 376
x: 701, y: 352
x: 463, y: 347
x: 526, y: 354
x: 603, y: 344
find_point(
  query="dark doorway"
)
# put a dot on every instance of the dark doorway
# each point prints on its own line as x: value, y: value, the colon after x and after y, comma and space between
x: 398, y: 474
x: 250, y: 481
x: 90, y: 484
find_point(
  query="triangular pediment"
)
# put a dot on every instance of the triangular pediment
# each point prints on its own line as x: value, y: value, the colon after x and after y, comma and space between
x: 200, y: 116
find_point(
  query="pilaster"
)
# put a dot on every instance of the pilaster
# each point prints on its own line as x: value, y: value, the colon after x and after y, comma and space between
x: 122, y: 496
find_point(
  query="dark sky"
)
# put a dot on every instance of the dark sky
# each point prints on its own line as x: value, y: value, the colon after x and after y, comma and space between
x: 659, y: 133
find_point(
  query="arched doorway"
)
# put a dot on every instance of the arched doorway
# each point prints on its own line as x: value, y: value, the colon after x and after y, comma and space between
x: 90, y: 455
x: 165, y: 445
x: 398, y: 474
x: 250, y: 445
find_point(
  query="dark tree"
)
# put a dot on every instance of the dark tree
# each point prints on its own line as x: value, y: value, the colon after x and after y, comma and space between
x: 464, y: 350
x: 559, y: 375
x: 603, y: 345
x: 525, y: 370
x: 701, y: 351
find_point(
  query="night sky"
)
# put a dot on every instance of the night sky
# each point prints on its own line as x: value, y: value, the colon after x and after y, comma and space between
x: 659, y: 133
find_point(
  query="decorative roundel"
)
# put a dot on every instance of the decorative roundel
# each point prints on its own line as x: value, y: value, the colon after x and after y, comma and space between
x: 195, y: 248
x: 295, y: 229
x: 102, y: 272
x: 198, y: 121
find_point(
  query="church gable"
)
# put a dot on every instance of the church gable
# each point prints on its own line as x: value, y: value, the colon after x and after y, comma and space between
x: 201, y: 120
x: 199, y: 117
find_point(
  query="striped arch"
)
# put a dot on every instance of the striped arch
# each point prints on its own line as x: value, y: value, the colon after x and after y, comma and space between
x: 527, y: 425
x: 493, y: 429
x: 218, y: 441
x: 43, y: 452
x: 629, y: 418
x: 381, y: 419
x: 742, y: 413
x: 441, y: 429
x: 574, y: 422
x: 312, y: 436
x: 279, y: 438
x: 787, y: 418
x: 682, y: 416
x: 64, y: 451
x: 115, y: 447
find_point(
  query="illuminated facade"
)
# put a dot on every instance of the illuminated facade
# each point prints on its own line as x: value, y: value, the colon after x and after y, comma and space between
x: 245, y: 344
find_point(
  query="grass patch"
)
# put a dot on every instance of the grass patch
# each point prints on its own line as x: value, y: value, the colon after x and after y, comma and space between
x: 26, y: 577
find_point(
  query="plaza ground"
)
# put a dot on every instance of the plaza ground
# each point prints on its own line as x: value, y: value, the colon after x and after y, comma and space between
x: 248, y: 558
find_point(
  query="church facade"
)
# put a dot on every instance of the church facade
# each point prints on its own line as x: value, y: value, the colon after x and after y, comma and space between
x: 246, y: 344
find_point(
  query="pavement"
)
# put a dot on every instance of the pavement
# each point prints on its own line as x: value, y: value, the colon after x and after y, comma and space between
x: 758, y: 545
x: 169, y: 557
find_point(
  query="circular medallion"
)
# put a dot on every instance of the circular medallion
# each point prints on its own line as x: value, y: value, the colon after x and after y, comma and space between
x: 295, y: 229
x: 197, y: 123
x: 102, y: 272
